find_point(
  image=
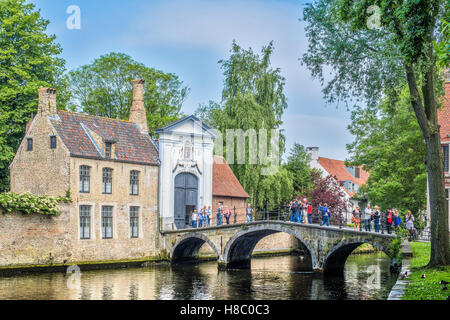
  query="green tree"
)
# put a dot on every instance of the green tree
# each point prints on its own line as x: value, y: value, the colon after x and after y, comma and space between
x: 389, y: 144
x: 369, y: 64
x: 28, y: 60
x: 298, y: 167
x: 103, y: 88
x: 252, y: 99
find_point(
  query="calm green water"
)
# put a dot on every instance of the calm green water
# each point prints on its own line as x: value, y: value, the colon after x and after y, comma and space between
x: 366, y: 277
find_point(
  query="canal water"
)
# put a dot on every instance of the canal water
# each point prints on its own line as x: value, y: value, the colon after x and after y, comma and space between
x: 366, y: 277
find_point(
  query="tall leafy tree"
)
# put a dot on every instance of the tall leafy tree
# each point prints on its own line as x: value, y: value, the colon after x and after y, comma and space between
x: 298, y: 167
x: 28, y: 60
x: 389, y: 143
x: 103, y: 88
x: 371, y: 63
x: 252, y: 99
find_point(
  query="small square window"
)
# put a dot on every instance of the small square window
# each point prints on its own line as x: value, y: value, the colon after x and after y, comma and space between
x: 29, y: 144
x: 53, y: 142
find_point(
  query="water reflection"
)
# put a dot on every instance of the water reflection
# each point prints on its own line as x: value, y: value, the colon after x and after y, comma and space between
x: 366, y: 277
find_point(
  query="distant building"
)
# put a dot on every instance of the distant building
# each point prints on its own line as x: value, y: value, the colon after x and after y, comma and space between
x: 444, y: 122
x: 227, y: 189
x: 349, y: 178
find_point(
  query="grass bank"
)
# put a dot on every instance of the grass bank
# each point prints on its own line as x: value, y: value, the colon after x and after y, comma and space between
x: 428, y: 288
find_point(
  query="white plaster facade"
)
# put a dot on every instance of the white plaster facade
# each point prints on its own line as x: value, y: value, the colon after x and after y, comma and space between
x: 184, y: 146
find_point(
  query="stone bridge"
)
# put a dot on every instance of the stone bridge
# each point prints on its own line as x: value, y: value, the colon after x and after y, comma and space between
x: 327, y: 247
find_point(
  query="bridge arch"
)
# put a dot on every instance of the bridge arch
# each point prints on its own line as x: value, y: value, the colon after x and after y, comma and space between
x: 186, y: 247
x: 334, y: 260
x: 238, y: 249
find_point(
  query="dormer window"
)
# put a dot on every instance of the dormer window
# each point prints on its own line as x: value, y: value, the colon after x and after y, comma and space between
x: 108, y: 148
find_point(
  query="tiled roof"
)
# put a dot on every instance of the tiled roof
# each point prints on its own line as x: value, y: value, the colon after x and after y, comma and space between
x: 337, y: 168
x: 130, y: 144
x: 444, y: 115
x: 225, y: 183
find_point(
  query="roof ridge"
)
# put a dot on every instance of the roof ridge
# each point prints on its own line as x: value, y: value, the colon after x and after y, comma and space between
x: 95, y: 116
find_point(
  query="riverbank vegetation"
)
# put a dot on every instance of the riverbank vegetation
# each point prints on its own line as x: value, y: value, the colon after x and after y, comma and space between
x: 428, y: 288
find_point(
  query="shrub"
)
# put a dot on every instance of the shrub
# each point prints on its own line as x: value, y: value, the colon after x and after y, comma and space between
x: 27, y: 203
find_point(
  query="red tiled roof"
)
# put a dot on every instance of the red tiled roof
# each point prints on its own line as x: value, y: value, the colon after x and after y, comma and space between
x: 224, y: 182
x: 337, y: 168
x: 444, y: 115
x: 130, y: 144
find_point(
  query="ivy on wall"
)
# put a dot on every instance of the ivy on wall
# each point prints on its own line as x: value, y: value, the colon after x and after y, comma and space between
x: 28, y: 203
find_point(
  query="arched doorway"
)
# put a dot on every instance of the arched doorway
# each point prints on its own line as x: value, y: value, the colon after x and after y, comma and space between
x: 186, y: 191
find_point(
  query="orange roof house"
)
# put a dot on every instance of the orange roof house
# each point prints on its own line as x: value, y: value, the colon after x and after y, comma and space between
x: 350, y: 178
x: 226, y: 189
x: 225, y: 183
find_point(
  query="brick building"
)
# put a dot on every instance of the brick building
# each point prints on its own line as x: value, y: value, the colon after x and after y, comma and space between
x: 227, y: 190
x: 444, y: 122
x: 110, y: 168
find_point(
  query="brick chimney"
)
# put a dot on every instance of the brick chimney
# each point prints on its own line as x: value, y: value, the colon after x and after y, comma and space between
x: 138, y: 113
x: 47, y: 101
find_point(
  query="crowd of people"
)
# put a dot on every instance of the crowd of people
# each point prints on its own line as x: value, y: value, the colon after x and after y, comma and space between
x: 391, y: 219
x: 203, y: 218
x: 301, y: 211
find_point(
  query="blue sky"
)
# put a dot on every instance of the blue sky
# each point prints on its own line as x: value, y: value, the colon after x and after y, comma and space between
x: 189, y: 37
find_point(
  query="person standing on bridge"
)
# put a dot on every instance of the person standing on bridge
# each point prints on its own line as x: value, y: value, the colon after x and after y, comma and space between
x: 376, y: 219
x: 249, y: 212
x: 319, y: 213
x: 194, y: 218
x: 356, y: 218
x: 292, y: 211
x: 409, y: 218
x: 305, y: 209
x: 388, y: 218
x: 309, y: 212
x: 367, y: 217
x: 299, y: 213
x: 227, y: 214
x: 219, y: 214
x: 325, y: 215
x: 397, y: 220
x: 208, y: 215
